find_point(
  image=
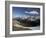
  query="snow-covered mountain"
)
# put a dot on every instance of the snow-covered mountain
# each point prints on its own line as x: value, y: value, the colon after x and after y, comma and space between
x: 30, y: 18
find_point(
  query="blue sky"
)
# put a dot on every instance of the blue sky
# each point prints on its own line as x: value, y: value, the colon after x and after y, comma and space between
x: 20, y: 11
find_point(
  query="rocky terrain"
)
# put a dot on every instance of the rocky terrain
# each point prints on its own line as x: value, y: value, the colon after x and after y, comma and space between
x: 23, y: 23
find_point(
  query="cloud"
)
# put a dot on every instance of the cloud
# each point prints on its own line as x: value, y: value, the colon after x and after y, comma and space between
x: 32, y: 12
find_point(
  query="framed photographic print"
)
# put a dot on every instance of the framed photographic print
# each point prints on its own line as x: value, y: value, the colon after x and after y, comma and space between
x: 24, y: 18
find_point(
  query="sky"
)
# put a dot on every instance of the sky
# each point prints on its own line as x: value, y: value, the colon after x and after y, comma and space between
x: 21, y: 11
